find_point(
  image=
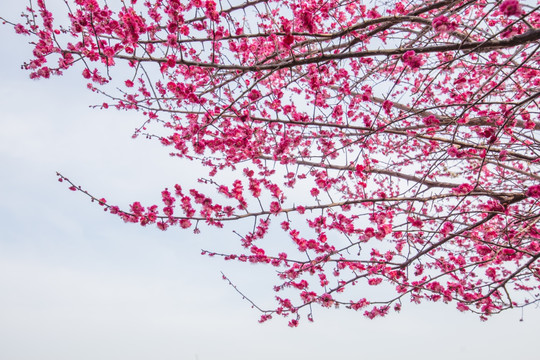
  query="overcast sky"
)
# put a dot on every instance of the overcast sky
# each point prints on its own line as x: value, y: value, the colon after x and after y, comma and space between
x: 78, y: 283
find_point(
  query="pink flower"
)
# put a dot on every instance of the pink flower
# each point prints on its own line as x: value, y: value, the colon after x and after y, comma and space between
x: 288, y: 40
x: 369, y: 232
x: 275, y: 208
x: 326, y: 300
x: 463, y: 189
x: 441, y: 24
x: 374, y: 281
x: 416, y: 222
x: 86, y: 74
x: 483, y: 250
x: 411, y: 59
x: 19, y: 29
x: 431, y: 120
x: 162, y: 226
x: 293, y: 323
x: 387, y: 106
x: 447, y: 228
x: 510, y: 8
x: 534, y: 191
x: 254, y: 95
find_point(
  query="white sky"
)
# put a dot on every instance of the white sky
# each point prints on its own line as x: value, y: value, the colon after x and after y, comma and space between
x: 77, y: 283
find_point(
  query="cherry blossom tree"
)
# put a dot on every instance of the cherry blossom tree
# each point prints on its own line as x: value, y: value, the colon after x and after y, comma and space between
x: 393, y: 145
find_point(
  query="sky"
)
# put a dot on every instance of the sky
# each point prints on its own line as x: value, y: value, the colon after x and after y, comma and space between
x: 78, y: 283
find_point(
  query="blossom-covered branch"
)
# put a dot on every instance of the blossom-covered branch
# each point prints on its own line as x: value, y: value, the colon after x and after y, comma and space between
x: 395, y: 144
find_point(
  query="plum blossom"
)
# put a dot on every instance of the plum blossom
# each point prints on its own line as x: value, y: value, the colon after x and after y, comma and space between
x: 411, y: 59
x: 387, y: 106
x: 510, y: 8
x: 534, y: 191
x: 441, y: 24
x: 431, y: 120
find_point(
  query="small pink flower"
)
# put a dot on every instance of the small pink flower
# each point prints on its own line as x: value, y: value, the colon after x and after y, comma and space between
x: 447, y: 228
x: 441, y: 24
x: 20, y: 29
x: 387, y: 106
x: 86, y: 74
x: 529, y: 125
x: 431, y: 120
x: 288, y: 40
x: 411, y: 59
x: 534, y: 191
x: 483, y: 250
x: 292, y: 323
x: 369, y: 232
x: 510, y: 8
x: 275, y: 208
x: 416, y: 222
x: 463, y: 189
x: 326, y: 300
x: 162, y: 226
x: 254, y: 95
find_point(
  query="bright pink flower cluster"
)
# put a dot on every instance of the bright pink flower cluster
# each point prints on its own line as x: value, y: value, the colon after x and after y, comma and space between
x: 431, y: 120
x: 534, y: 191
x: 511, y: 8
x: 411, y: 59
x: 441, y: 24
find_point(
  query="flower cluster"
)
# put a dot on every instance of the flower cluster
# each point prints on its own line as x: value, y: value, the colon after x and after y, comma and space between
x: 441, y: 24
x: 510, y: 8
x: 410, y: 58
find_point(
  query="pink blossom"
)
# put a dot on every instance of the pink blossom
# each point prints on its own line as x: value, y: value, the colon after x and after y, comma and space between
x: 431, y: 120
x: 416, y: 222
x: 483, y: 249
x: 463, y: 189
x: 288, y: 40
x: 412, y: 60
x: 374, y: 281
x: 20, y: 29
x: 254, y: 95
x: 387, y: 106
x: 369, y: 232
x: 447, y: 228
x: 441, y: 24
x: 275, y: 208
x: 326, y: 300
x: 162, y: 226
x: 264, y: 318
x: 293, y: 323
x: 510, y: 8
x: 534, y: 191
x: 359, y: 304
